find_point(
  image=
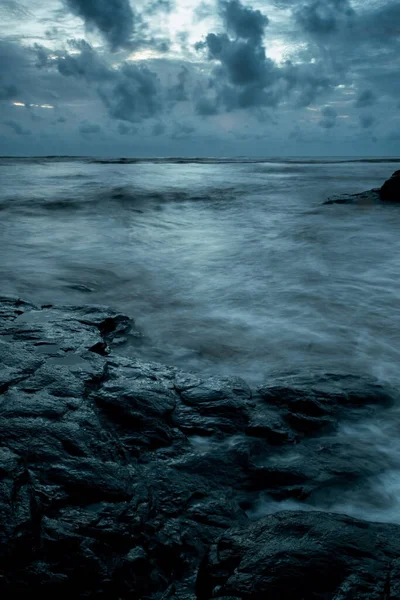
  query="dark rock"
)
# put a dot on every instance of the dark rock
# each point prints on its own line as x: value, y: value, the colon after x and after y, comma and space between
x: 267, y: 423
x: 303, y: 555
x: 310, y: 404
x: 211, y: 406
x: 116, y: 475
x: 389, y: 192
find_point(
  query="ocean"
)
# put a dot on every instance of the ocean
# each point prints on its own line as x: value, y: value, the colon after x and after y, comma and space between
x: 229, y: 267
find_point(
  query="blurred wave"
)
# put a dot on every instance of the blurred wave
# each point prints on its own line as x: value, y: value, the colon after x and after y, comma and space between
x: 227, y: 266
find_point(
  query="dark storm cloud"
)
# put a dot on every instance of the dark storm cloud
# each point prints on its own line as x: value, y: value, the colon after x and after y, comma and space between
x: 329, y: 115
x: 243, y: 62
x: 8, y: 91
x: 113, y: 18
x: 323, y: 17
x: 371, y: 24
x: 135, y: 94
x: 306, y: 81
x: 366, y: 121
x: 331, y: 42
x: 131, y: 92
x: 84, y: 62
x: 17, y: 128
x: 243, y: 57
x: 22, y: 81
x: 246, y: 77
x: 381, y: 25
x: 360, y: 44
x: 243, y: 22
x: 119, y: 24
x: 366, y: 98
x: 357, y: 45
x: 206, y: 106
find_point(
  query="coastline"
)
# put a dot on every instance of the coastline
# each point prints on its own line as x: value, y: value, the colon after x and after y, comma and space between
x: 123, y: 477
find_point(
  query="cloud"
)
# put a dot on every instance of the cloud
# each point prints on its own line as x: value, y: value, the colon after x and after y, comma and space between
x: 307, y: 81
x: 114, y: 19
x: 202, y: 11
x: 159, y: 128
x: 246, y: 76
x: 242, y: 62
x: 130, y: 92
x: 178, y: 92
x: 89, y: 129
x: 124, y: 129
x: 13, y: 64
x: 17, y: 128
x: 22, y: 81
x: 182, y: 131
x: 331, y: 53
x: 329, y: 115
x: 323, y: 17
x: 243, y: 22
x: 366, y: 121
x: 244, y: 66
x: 84, y: 62
x: 135, y: 94
x: 13, y: 8
x: 119, y: 24
x: 366, y: 98
x: 7, y: 91
x: 206, y: 106
x: 155, y: 6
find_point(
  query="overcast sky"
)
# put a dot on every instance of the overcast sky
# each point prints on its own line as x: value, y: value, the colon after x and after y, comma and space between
x: 200, y: 78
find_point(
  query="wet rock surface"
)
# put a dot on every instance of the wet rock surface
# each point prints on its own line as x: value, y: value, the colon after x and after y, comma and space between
x: 389, y: 192
x: 320, y: 555
x: 119, y: 478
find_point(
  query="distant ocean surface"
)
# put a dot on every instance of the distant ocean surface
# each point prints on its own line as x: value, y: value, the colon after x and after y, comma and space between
x: 228, y: 266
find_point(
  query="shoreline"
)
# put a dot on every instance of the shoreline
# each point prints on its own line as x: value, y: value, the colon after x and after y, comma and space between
x: 145, y: 474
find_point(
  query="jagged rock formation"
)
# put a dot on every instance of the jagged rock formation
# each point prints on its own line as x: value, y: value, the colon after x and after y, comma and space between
x: 120, y: 477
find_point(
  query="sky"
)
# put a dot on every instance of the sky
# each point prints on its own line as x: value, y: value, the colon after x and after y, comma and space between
x: 200, y: 78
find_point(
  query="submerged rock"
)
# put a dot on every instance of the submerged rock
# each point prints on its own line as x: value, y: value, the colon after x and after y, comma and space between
x: 118, y: 475
x: 389, y: 192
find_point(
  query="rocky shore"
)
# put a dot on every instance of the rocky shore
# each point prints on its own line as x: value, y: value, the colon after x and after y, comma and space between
x: 389, y: 193
x: 122, y: 479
